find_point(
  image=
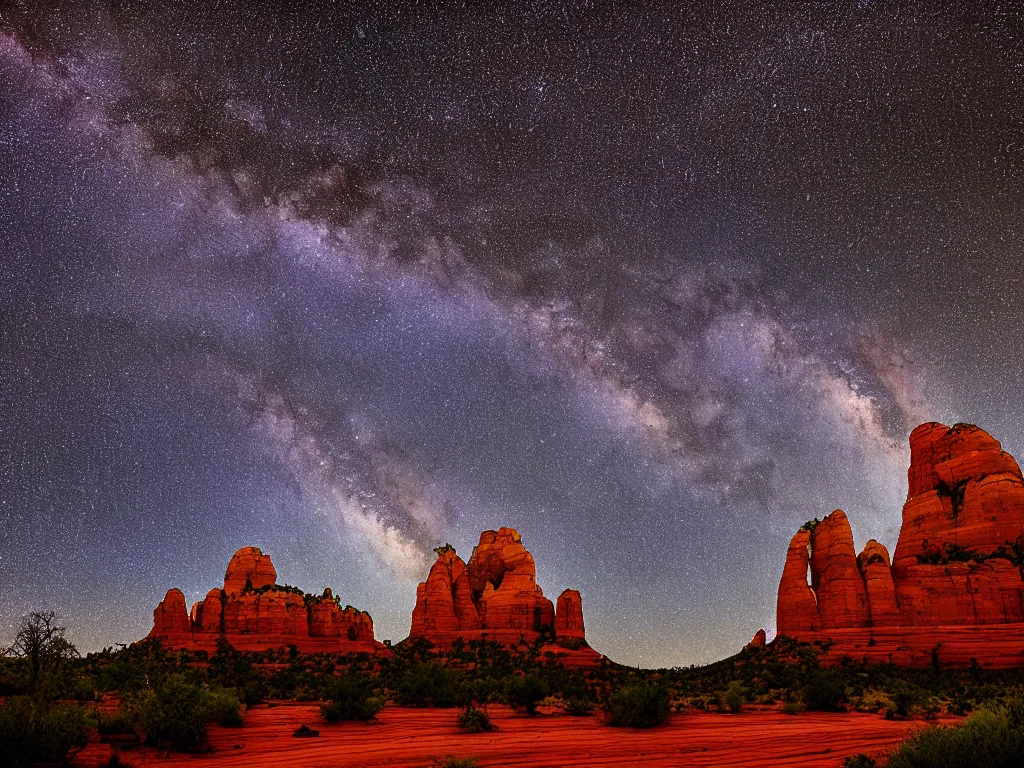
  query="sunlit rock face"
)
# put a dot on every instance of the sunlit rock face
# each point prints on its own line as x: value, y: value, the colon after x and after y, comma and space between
x: 253, y: 612
x: 955, y: 583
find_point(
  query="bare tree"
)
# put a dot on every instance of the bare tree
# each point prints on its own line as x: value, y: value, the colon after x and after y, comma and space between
x: 42, y: 643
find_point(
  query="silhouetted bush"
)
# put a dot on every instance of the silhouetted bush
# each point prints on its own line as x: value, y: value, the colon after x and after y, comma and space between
x: 639, y: 705
x: 350, y: 697
x: 859, y: 761
x: 224, y: 707
x: 456, y: 762
x: 575, y: 706
x: 525, y: 691
x: 732, y: 698
x: 990, y: 738
x: 117, y: 723
x: 825, y: 690
x: 175, y: 714
x: 32, y: 732
x: 475, y: 720
x: 431, y: 684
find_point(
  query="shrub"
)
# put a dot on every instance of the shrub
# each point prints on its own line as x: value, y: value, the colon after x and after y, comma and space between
x: 904, y: 700
x: 475, y: 720
x: 525, y: 692
x: 350, y: 697
x: 174, y: 714
x: 117, y: 723
x: 456, y: 762
x: 825, y: 690
x: 639, y: 705
x: 224, y: 707
x: 576, y: 706
x: 36, y: 733
x: 993, y: 738
x: 431, y: 683
x: 254, y: 691
x: 733, y: 698
x: 792, y: 708
x: 859, y: 761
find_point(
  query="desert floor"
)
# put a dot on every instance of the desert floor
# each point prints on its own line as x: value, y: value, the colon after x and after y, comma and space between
x: 404, y: 738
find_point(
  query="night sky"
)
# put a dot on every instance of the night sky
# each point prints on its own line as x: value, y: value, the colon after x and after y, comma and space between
x: 652, y: 286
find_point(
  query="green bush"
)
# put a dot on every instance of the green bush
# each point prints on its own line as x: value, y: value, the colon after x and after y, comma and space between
x: 990, y: 738
x: 733, y: 698
x: 456, y: 762
x: 431, y: 684
x: 475, y: 720
x: 525, y: 691
x: 859, y: 761
x: 224, y: 707
x: 350, y: 697
x: 825, y: 690
x: 255, y: 691
x: 792, y: 708
x: 639, y: 705
x: 36, y: 733
x: 119, y: 723
x: 174, y: 714
x: 576, y: 706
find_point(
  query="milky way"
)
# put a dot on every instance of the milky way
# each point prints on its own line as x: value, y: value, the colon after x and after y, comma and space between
x: 652, y: 286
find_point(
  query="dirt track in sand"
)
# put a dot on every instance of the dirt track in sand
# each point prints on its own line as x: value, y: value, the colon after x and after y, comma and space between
x: 404, y: 738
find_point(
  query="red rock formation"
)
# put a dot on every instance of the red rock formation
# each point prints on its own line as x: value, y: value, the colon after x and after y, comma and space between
x: 797, y: 604
x: 835, y: 578
x: 569, y: 615
x: 957, y: 568
x: 759, y: 640
x: 170, y: 618
x: 249, y: 567
x: 873, y: 563
x: 495, y: 596
x: 253, y: 613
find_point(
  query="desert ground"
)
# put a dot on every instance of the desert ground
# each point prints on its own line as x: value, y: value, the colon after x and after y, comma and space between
x: 412, y: 738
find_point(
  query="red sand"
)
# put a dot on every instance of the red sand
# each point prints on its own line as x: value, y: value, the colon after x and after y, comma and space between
x: 405, y: 738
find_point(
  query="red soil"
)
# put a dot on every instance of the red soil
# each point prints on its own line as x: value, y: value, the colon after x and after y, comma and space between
x: 405, y: 738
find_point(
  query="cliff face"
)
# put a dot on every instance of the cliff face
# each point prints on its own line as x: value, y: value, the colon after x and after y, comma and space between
x: 494, y: 597
x: 959, y: 562
x: 252, y: 612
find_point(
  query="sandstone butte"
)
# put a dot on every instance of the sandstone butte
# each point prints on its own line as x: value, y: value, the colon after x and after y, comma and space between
x: 253, y: 612
x: 954, y: 589
x: 495, y: 596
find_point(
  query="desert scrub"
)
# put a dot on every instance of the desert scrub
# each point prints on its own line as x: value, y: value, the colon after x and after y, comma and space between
x: 639, y: 704
x: 872, y: 701
x: 224, y: 707
x: 825, y: 690
x: 455, y: 762
x: 475, y: 720
x: 990, y: 738
x: 732, y: 698
x: 525, y: 691
x: 32, y: 732
x: 174, y: 714
x: 576, y: 706
x: 351, y: 697
x: 117, y: 723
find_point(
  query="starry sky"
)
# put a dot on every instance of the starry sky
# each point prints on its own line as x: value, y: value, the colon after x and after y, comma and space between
x: 651, y: 283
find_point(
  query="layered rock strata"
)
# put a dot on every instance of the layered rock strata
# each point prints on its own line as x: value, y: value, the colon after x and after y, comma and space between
x: 495, y: 596
x: 252, y: 612
x: 954, y: 589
